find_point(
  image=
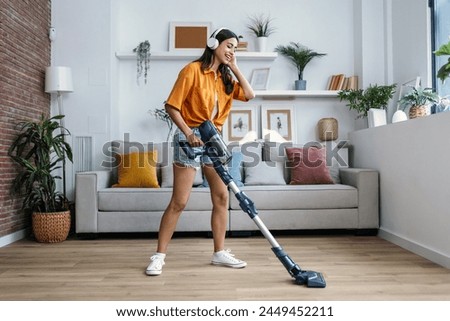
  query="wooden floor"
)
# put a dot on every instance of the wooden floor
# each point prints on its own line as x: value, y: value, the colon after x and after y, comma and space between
x: 355, y: 268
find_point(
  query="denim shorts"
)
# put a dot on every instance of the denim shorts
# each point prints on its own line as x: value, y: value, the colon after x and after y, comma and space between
x: 180, y: 157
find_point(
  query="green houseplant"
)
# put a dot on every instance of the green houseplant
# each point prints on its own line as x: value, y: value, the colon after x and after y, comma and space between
x: 299, y: 55
x: 38, y: 150
x: 417, y: 100
x: 142, y: 59
x: 373, y: 96
x: 444, y: 72
x: 261, y: 26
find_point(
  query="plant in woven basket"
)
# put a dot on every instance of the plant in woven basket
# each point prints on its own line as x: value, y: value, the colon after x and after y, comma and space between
x: 373, y: 96
x: 38, y: 150
x: 417, y: 100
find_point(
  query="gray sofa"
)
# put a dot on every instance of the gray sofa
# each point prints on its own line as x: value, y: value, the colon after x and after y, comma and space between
x: 349, y: 204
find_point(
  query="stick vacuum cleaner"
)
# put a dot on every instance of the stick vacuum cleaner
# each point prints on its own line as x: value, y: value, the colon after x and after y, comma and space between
x: 216, y: 149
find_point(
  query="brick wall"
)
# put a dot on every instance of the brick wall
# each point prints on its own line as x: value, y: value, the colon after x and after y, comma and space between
x: 24, y: 54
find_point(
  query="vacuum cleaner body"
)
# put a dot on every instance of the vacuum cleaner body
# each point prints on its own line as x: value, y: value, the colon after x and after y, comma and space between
x: 216, y: 149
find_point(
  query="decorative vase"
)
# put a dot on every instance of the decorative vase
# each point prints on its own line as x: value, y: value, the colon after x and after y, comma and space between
x: 376, y: 117
x: 417, y: 111
x: 328, y: 129
x: 300, y: 85
x: 261, y: 44
x: 399, y: 116
x: 51, y: 227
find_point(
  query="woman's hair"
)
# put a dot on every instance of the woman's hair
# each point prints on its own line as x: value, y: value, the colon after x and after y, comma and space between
x: 208, y: 55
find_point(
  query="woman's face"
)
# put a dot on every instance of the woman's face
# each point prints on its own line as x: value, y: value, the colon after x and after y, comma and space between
x: 225, y: 52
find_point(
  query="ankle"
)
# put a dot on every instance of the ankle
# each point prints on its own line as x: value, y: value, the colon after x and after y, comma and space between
x: 160, y: 255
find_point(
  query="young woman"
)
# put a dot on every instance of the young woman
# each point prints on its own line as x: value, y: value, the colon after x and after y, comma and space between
x: 204, y: 90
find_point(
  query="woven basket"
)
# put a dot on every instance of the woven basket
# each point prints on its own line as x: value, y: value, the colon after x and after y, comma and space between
x: 328, y: 129
x: 51, y: 227
x: 417, y: 111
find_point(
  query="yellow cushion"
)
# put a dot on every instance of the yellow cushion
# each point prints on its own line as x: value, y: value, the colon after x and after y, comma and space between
x: 137, y: 170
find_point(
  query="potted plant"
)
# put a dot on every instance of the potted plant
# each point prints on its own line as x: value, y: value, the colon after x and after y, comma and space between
x: 142, y: 59
x: 417, y: 99
x: 261, y: 27
x: 444, y: 72
x: 374, y: 96
x: 299, y: 56
x: 38, y: 150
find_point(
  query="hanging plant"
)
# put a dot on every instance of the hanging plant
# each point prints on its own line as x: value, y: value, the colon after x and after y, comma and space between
x: 143, y: 59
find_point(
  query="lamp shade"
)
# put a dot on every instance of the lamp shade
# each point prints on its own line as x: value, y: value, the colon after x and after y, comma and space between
x: 58, y: 79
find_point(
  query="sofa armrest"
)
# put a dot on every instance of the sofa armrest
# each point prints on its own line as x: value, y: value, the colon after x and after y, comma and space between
x: 366, y: 181
x: 87, y: 185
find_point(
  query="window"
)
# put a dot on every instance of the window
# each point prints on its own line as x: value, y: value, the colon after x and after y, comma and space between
x: 441, y: 35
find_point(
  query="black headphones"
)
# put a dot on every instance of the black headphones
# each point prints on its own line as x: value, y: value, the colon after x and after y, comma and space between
x: 212, y: 42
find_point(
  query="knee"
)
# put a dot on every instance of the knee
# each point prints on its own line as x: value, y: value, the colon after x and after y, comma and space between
x: 221, y: 200
x: 177, y: 206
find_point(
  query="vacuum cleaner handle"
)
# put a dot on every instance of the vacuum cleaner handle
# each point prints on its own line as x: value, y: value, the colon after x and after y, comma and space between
x: 190, y: 152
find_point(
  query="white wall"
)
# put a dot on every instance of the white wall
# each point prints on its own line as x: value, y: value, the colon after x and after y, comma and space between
x: 412, y: 158
x: 299, y: 21
x: 83, y: 42
x: 411, y: 54
x: 108, y: 103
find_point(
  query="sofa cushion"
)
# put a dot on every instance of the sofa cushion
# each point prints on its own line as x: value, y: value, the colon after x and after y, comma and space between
x: 234, y: 168
x: 137, y: 169
x: 287, y: 197
x: 308, y: 165
x: 276, y: 152
x: 264, y: 173
x: 148, y: 199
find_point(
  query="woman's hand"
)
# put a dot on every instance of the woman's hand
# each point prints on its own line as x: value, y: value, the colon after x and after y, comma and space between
x: 193, y: 140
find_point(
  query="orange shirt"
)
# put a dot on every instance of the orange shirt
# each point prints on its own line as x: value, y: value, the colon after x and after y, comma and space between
x: 193, y: 94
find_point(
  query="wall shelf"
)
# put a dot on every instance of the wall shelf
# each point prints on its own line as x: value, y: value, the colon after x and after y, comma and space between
x: 194, y: 54
x: 292, y: 94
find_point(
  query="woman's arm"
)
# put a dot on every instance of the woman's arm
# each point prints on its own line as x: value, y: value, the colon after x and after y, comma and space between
x: 178, y: 120
x: 248, y: 90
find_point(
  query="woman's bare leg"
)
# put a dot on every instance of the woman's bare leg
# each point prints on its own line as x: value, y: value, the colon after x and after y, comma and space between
x: 219, y: 198
x: 183, y: 178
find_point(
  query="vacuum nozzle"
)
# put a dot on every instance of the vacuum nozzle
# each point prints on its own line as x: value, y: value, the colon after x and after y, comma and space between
x: 311, y: 279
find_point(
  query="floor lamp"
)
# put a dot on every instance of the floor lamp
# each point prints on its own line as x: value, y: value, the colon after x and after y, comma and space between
x: 58, y: 80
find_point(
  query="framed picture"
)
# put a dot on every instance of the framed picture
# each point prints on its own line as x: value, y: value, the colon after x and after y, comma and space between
x: 188, y: 35
x: 241, y: 122
x: 260, y: 78
x: 277, y: 123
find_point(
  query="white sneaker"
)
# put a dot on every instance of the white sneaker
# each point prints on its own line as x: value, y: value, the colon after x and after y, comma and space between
x: 156, y: 264
x: 225, y: 258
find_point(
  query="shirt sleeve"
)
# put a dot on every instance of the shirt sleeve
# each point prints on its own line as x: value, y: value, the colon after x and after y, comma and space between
x: 181, y: 88
x: 238, y: 92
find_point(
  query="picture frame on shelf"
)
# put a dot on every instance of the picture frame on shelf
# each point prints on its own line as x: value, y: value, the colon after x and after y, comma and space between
x: 278, y: 123
x: 260, y: 78
x: 188, y: 35
x: 241, y: 123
